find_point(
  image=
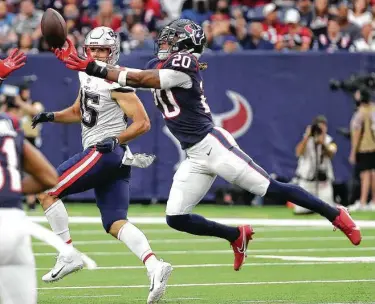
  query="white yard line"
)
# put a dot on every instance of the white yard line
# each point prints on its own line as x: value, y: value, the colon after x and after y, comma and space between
x: 228, y: 221
x: 214, y: 284
x: 354, y: 261
x: 340, y: 237
x: 200, y: 252
x: 361, y: 259
x: 88, y: 296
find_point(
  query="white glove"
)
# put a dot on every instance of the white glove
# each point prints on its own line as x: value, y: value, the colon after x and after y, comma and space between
x: 140, y: 160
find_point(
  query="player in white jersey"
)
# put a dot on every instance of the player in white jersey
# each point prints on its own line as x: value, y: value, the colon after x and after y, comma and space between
x: 176, y: 81
x: 102, y: 108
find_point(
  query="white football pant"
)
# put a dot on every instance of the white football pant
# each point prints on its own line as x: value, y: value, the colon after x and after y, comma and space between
x: 17, y: 264
x: 217, y: 154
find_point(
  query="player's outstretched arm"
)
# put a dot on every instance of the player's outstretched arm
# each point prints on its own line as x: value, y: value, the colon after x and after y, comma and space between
x: 133, y: 108
x: 42, y: 175
x: 68, y: 115
x: 13, y: 62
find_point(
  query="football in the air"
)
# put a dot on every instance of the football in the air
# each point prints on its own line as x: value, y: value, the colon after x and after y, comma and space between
x: 54, y: 28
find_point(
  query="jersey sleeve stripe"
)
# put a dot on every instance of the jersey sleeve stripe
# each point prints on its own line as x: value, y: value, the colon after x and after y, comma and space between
x: 75, y: 172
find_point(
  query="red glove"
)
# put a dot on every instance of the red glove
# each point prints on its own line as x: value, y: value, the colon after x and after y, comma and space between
x: 63, y: 54
x: 77, y: 63
x: 14, y: 61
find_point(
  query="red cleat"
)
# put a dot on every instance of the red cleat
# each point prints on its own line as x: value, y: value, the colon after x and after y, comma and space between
x: 239, y: 246
x: 346, y: 224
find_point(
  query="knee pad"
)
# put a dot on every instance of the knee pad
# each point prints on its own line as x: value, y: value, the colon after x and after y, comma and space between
x: 111, y: 216
x: 178, y: 222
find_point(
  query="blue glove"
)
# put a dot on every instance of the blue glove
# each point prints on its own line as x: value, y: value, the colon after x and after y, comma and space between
x: 107, y: 144
x: 42, y: 117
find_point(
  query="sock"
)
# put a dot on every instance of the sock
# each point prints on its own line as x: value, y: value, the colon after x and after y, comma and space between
x: 198, y: 225
x: 57, y: 217
x: 137, y: 242
x: 300, y: 197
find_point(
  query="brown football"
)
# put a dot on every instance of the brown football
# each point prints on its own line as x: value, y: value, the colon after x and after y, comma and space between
x: 53, y: 28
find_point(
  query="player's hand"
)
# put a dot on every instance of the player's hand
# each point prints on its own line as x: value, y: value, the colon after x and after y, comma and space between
x: 63, y: 54
x: 107, y: 144
x: 14, y: 61
x: 74, y: 62
x: 42, y: 117
x: 307, y: 131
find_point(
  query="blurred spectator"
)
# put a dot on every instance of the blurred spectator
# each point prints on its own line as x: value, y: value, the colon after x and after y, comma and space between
x: 7, y: 36
x: 254, y: 40
x: 305, y: 10
x: 346, y: 27
x: 25, y: 44
x: 294, y: 36
x: 359, y: 15
x: 367, y: 42
x: 199, y: 12
x: 207, y: 28
x: 222, y: 11
x: 334, y: 40
x: 240, y: 27
x: 250, y: 3
x: 137, y: 13
x: 73, y: 22
x: 319, y: 22
x: 271, y: 25
x: 28, y: 21
x: 139, y: 39
x: 106, y: 16
x: 220, y: 30
x: 231, y: 44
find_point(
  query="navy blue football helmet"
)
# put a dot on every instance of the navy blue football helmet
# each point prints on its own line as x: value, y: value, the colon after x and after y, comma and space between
x: 181, y: 35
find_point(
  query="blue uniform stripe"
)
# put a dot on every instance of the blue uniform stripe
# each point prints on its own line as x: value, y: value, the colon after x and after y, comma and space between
x: 224, y: 141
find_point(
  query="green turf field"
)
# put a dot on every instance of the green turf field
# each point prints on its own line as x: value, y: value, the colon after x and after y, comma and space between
x: 203, y: 270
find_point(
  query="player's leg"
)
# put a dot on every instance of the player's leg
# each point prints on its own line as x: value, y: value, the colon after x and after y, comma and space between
x: 231, y: 163
x: 113, y: 202
x: 73, y: 178
x: 309, y: 187
x: 190, y: 185
x: 17, y: 265
x: 77, y: 174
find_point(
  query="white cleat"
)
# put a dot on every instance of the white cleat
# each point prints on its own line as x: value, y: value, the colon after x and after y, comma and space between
x: 65, y: 265
x: 159, y: 278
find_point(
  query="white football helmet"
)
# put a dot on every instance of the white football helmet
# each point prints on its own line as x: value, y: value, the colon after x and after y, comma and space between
x: 105, y: 37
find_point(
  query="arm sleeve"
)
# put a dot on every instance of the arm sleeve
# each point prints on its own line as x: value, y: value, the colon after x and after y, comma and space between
x: 171, y: 78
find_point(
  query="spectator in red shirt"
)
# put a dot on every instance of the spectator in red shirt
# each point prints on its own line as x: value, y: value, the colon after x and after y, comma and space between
x: 294, y: 36
x: 250, y: 3
x: 271, y: 25
x: 106, y: 17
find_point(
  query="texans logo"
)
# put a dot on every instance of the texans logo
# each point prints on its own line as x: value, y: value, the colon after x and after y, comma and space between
x: 196, y: 34
x: 236, y: 121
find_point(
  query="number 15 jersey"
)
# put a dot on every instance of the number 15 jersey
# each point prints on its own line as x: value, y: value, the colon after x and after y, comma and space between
x: 101, y: 115
x: 185, y: 110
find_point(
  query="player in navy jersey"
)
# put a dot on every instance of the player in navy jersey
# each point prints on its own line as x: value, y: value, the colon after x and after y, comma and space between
x: 17, y: 266
x: 176, y: 83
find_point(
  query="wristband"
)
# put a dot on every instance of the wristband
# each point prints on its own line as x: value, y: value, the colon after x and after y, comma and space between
x: 122, y: 78
x: 93, y: 69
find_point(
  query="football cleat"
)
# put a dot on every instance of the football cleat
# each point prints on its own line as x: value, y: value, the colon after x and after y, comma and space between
x: 64, y: 266
x: 158, y: 281
x: 345, y: 223
x: 239, y: 246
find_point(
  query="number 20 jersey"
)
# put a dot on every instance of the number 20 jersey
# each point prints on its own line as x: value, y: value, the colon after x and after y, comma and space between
x: 185, y: 111
x: 101, y: 115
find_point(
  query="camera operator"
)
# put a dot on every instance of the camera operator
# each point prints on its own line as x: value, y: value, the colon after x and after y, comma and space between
x: 314, y: 171
x: 362, y: 153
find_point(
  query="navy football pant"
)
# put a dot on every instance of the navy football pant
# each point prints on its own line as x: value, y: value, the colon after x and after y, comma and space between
x: 105, y: 174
